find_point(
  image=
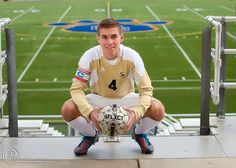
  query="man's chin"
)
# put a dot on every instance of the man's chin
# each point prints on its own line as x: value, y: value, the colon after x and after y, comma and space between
x: 111, y: 52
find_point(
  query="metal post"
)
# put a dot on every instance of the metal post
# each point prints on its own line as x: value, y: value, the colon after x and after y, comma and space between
x: 11, y: 80
x: 221, y: 105
x: 205, y: 81
x: 71, y: 131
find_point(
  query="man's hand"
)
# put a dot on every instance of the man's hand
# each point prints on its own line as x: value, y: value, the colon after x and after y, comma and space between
x: 131, y: 119
x: 94, y: 117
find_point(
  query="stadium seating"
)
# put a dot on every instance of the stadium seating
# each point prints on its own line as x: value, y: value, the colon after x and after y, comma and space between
x: 31, y: 128
x: 183, y: 126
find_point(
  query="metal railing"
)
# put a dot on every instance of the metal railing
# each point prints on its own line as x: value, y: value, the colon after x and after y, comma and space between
x: 215, y: 89
x: 8, y: 91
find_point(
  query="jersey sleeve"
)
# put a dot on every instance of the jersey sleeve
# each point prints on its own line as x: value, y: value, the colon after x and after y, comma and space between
x: 145, y: 94
x: 79, y: 85
x: 144, y: 86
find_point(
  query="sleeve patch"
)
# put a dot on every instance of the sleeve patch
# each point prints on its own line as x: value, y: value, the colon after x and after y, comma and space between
x: 82, y: 75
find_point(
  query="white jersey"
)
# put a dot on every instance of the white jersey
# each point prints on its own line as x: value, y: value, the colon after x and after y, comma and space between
x: 111, y: 78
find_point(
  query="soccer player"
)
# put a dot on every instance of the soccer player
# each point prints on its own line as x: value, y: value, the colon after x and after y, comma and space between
x: 112, y: 72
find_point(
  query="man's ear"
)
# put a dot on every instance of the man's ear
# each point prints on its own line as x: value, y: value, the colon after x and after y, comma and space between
x: 122, y: 37
x: 97, y: 37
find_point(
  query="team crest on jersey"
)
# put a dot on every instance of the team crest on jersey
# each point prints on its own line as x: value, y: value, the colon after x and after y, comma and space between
x: 122, y: 74
x: 128, y: 25
x: 82, y: 75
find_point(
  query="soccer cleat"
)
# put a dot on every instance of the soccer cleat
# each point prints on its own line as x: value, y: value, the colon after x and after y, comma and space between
x: 144, y: 143
x: 85, y: 144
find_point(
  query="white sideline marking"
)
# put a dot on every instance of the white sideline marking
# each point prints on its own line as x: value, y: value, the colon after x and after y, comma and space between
x: 40, y: 81
x: 176, y: 80
x: 231, y: 10
x: 177, y: 88
x: 67, y: 89
x: 200, y: 15
x: 44, y: 90
x: 17, y: 17
x: 176, y: 43
x: 154, y: 81
x: 41, y: 46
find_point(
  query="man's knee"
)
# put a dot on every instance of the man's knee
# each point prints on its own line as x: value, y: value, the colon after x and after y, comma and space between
x: 156, y: 110
x: 69, y: 111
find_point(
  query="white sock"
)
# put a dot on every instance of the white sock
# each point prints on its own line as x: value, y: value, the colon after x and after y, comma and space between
x: 83, y: 126
x: 145, y: 124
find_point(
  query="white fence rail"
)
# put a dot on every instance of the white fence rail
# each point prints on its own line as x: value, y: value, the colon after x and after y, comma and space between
x: 217, y: 52
x: 3, y: 87
x: 8, y: 91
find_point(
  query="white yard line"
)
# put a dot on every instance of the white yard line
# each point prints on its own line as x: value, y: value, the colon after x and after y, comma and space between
x: 176, y: 43
x: 231, y: 35
x: 177, y: 88
x: 200, y: 15
x: 154, y: 81
x: 18, y: 16
x: 176, y: 80
x: 108, y: 10
x: 42, y: 45
x: 196, y: 13
x: 67, y: 89
x: 231, y: 10
x: 44, y: 90
x: 50, y: 82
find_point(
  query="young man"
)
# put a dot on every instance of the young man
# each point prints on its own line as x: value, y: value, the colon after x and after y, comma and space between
x: 112, y: 71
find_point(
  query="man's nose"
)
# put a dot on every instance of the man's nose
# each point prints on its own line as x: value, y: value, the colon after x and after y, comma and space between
x: 110, y: 40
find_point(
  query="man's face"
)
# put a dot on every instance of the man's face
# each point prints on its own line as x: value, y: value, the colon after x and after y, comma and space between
x: 110, y: 40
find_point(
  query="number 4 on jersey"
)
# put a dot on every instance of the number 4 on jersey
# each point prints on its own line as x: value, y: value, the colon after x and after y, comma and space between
x: 112, y: 85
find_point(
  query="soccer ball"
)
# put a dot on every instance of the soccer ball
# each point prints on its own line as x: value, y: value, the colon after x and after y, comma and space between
x: 112, y: 120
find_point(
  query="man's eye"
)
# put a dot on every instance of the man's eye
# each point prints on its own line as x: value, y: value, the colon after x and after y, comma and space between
x: 114, y: 36
x: 104, y: 37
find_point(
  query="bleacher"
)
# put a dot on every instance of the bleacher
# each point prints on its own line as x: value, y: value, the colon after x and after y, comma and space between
x: 31, y: 128
x: 181, y: 126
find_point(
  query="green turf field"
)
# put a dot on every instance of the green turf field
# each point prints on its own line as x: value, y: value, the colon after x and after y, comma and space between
x: 47, y: 56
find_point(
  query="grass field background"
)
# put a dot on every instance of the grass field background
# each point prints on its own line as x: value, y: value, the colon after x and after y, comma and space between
x: 47, y: 57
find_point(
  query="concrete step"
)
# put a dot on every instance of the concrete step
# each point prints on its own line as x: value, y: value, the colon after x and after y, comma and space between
x: 62, y: 148
x: 25, y: 124
x: 3, y: 132
x: 34, y: 128
x: 43, y: 128
x: 172, y: 126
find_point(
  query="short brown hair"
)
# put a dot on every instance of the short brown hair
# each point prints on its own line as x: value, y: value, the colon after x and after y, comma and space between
x: 109, y: 23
